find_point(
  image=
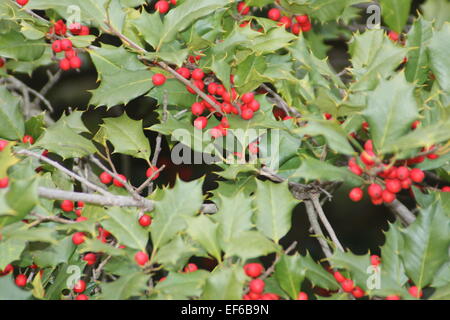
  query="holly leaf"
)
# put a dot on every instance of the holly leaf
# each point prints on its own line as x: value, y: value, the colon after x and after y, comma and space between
x: 289, y: 275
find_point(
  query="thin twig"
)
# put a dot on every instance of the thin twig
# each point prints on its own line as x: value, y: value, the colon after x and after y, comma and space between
x: 312, y: 216
x: 402, y: 212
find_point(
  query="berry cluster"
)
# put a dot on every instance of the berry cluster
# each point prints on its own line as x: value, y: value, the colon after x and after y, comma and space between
x: 385, y: 181
x: 71, y: 59
x: 297, y: 24
x: 256, y: 285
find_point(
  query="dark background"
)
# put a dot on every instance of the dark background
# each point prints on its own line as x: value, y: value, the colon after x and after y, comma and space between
x: 359, y: 225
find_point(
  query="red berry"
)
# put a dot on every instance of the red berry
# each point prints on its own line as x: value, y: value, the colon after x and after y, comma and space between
x: 388, y: 197
x: 22, y: 2
x: 358, y: 292
x: 106, y: 178
x: 212, y: 88
x: 2, y: 62
x: 197, y: 108
x: 64, y: 64
x: 173, y: 2
x: 66, y: 44
x: 356, y: 194
x: 81, y: 219
x: 415, y: 124
x: 339, y: 277
x: 254, y: 105
x: 217, y: 132
x: 152, y: 171
x: 191, y: 267
x: 8, y: 269
x: 162, y: 6
x: 257, y: 286
x: 417, y: 175
x: 377, y: 202
x: 56, y: 46
x: 306, y: 27
x: 348, y: 285
x: 220, y: 90
x: 84, y: 31
x: 296, y: 28
x: 118, y: 183
x: 80, y: 286
x: 368, y: 146
x: 141, y: 258
x: 247, y: 114
x: 285, y: 21
x: 248, y: 97
x: 28, y: 139
x: 243, y: 8
x: 184, y: 72
x: 393, y: 185
x: 75, y: 62
x: 226, y: 107
x: 198, y: 74
x: 21, y: 280
x: 4, y: 182
x: 368, y: 157
x: 415, y: 292
x: 75, y: 28
x: 407, y: 183
x: 69, y: 54
x: 90, y: 258
x: 302, y: 296
x: 67, y: 206
x: 82, y: 297
x: 445, y: 189
x: 274, y: 14
x: 201, y: 123
x: 375, y: 191
x: 402, y: 173
x: 394, y: 36
x: 145, y: 220
x: 78, y: 238
x: 159, y: 79
x: 302, y: 19
x: 253, y: 270
x: 375, y: 260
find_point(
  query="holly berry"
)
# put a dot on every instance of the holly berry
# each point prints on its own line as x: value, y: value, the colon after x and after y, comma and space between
x: 82, y: 297
x: 375, y: 191
x: 274, y: 14
x: 162, y: 6
x: 78, y: 238
x: 339, y: 277
x: 358, y: 292
x: 253, y: 270
x: 296, y: 29
x: 375, y: 260
x: 21, y: 280
x: 90, y: 258
x: 70, y: 54
x: 242, y: 8
x: 388, y: 197
x: 347, y: 285
x: 197, y: 108
x: 257, y: 286
x: 80, y: 286
x: 81, y: 219
x: 356, y: 194
x: 402, y: 173
x: 394, y: 36
x: 2, y: 62
x: 248, y: 97
x: 247, y: 114
x: 159, y: 79
x: 445, y: 189
x: 393, y: 186
x: 285, y: 21
x: 302, y: 19
x: 4, y: 182
x: 254, y: 105
x: 66, y: 44
x: 67, y: 206
x: 302, y: 296
x: 75, y: 28
x: 118, y: 183
x: 191, y: 267
x: 141, y: 258
x: 64, y: 64
x: 28, y: 139
x: 184, y: 72
x: 368, y: 157
x: 197, y: 74
x: 417, y: 175
x: 106, y: 178
x: 415, y: 292
x: 201, y: 123
x: 84, y: 31
x: 75, y: 62
x: 152, y: 171
x: 22, y: 2
x: 56, y: 46
x: 145, y: 220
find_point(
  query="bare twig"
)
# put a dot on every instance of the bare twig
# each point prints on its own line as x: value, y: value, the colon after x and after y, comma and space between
x: 61, y: 168
x: 402, y: 212
x: 312, y: 216
x: 280, y: 102
x: 38, y: 95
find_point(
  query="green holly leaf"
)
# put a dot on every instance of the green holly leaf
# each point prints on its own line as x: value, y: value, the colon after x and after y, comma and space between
x: 289, y: 275
x: 127, y: 286
x: 417, y: 42
x: 395, y: 13
x: 204, y: 231
x: 183, y: 286
x: 12, y: 124
x: 9, y: 290
x: 256, y: 245
x: 439, y: 53
x: 223, y: 284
